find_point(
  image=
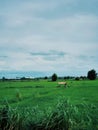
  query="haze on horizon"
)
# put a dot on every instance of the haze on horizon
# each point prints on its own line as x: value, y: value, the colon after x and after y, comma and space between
x: 58, y: 36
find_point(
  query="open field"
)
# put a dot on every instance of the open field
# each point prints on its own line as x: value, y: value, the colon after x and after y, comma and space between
x: 45, y: 93
x: 41, y: 105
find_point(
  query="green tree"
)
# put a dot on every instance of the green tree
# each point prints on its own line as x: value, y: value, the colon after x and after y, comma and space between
x: 45, y: 77
x: 92, y: 74
x: 54, y: 77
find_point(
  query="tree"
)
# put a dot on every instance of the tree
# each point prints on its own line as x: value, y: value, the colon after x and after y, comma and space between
x: 54, y: 77
x: 23, y: 78
x: 4, y: 79
x: 45, y: 77
x: 92, y: 74
x: 77, y: 78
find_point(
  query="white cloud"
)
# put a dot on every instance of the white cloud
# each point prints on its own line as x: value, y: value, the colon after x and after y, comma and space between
x: 29, y: 28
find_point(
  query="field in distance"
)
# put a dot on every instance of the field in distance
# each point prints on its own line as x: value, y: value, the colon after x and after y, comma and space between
x: 46, y: 93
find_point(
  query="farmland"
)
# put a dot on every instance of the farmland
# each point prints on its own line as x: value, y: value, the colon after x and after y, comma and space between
x: 45, y: 93
x: 44, y: 96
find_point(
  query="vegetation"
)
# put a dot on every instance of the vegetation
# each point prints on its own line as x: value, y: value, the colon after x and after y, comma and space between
x: 64, y: 116
x: 92, y: 74
x: 38, y: 105
x: 54, y: 77
x: 77, y: 78
x: 45, y: 93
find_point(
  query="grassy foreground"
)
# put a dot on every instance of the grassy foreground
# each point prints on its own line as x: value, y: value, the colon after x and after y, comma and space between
x: 64, y: 116
x: 34, y: 105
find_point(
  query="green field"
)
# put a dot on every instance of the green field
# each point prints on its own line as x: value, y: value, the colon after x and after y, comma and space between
x: 42, y: 105
x: 45, y: 93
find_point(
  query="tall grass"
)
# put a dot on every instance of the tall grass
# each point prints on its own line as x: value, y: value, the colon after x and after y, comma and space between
x: 64, y: 116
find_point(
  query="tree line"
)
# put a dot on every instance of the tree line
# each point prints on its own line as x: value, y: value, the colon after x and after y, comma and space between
x: 91, y: 75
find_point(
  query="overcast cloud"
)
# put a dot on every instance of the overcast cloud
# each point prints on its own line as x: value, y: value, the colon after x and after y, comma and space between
x: 49, y: 36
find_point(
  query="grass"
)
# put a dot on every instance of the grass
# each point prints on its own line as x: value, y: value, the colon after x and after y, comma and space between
x: 34, y: 105
x: 45, y: 93
x: 64, y: 116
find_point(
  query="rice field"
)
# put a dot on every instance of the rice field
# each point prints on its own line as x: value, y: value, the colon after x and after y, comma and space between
x: 42, y: 104
x: 45, y: 93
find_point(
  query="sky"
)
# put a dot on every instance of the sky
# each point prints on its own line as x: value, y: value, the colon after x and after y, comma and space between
x: 53, y: 36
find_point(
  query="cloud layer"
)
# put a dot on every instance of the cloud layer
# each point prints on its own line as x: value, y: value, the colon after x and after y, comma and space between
x: 54, y: 36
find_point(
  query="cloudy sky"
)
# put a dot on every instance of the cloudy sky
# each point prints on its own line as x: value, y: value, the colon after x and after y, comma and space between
x: 49, y: 36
